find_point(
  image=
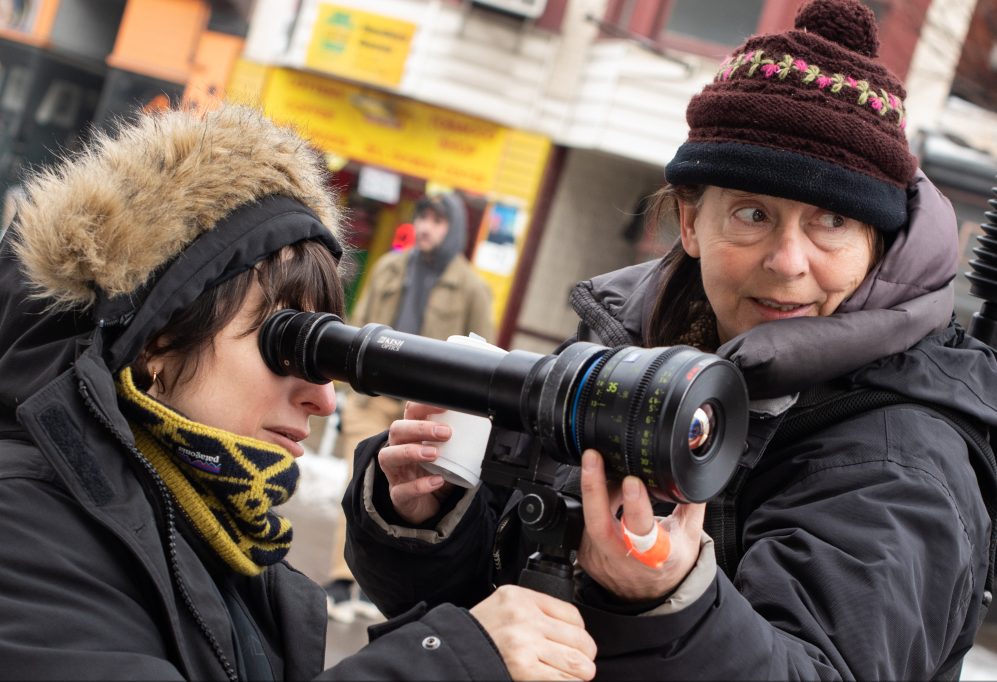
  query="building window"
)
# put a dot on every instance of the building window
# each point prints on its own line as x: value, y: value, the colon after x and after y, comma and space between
x: 689, y: 25
x: 709, y: 27
x: 639, y: 17
x: 700, y: 20
x: 879, y: 7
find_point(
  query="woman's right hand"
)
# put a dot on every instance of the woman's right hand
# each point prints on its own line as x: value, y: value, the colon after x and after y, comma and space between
x: 415, y: 493
x: 539, y: 637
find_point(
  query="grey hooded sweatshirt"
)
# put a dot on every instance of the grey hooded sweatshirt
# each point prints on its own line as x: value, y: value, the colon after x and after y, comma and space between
x: 424, y: 269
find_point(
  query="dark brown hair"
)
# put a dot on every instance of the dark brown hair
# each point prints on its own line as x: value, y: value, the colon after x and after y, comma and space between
x: 303, y: 275
x: 681, y: 298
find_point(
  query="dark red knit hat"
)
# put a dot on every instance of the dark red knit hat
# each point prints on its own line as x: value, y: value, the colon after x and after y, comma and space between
x: 807, y: 115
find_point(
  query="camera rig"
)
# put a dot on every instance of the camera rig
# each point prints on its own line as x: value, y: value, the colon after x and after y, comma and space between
x: 674, y: 417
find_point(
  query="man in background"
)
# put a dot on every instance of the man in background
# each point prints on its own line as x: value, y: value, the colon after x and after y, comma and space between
x: 430, y: 290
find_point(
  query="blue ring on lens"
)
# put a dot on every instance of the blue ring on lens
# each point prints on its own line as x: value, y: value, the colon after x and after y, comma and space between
x: 574, y: 406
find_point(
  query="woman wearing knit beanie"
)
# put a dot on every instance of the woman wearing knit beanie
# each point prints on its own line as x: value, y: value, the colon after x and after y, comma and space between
x: 145, y: 446
x: 849, y: 544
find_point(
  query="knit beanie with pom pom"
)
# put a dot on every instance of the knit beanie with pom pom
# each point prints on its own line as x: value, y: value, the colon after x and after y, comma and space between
x: 808, y: 115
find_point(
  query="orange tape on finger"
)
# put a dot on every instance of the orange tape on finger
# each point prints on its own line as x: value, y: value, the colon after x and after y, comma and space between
x: 651, y: 549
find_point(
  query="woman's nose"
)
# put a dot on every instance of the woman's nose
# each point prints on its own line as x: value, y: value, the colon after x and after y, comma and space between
x: 318, y: 399
x: 787, y: 256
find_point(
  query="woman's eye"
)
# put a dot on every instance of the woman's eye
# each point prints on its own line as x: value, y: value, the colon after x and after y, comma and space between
x: 750, y: 215
x: 833, y: 220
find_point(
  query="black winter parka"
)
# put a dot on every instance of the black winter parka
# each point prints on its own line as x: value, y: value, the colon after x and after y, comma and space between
x: 102, y: 578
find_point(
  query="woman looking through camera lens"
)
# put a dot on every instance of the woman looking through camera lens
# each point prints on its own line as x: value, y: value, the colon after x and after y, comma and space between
x: 145, y: 445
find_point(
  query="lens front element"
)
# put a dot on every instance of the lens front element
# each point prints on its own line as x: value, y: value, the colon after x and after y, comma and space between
x: 701, y: 429
x: 674, y: 417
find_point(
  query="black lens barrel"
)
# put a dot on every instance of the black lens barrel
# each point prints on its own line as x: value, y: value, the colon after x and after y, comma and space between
x: 378, y: 360
x: 635, y: 405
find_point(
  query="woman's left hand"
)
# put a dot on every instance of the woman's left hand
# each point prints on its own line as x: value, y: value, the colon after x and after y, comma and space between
x: 603, y: 554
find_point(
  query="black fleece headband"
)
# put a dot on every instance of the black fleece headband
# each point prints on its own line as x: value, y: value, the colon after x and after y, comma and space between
x: 236, y: 243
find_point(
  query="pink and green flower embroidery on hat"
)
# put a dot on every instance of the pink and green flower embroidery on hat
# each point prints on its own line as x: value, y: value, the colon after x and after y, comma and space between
x: 755, y: 63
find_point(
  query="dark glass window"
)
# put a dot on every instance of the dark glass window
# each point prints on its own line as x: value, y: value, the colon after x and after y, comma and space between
x: 713, y: 21
x: 878, y: 7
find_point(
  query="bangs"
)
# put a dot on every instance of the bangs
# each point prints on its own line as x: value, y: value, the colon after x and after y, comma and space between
x: 303, y: 276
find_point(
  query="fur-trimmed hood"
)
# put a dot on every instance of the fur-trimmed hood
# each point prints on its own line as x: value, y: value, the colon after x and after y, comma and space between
x: 109, y: 243
x: 129, y: 203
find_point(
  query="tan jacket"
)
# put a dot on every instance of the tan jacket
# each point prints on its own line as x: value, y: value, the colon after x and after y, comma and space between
x: 459, y: 303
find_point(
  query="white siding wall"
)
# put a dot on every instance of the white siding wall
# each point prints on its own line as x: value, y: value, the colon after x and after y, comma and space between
x: 482, y: 64
x: 581, y: 92
x: 975, y: 125
x: 592, y: 205
x: 934, y: 62
x: 632, y: 102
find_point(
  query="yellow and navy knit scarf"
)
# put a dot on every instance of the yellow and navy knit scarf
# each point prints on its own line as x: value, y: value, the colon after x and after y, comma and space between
x: 224, y: 483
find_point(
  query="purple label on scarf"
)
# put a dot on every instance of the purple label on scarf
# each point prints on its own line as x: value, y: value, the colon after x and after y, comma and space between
x: 210, y: 463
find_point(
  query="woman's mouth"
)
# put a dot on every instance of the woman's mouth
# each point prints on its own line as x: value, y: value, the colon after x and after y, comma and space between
x: 777, y: 310
x: 289, y: 440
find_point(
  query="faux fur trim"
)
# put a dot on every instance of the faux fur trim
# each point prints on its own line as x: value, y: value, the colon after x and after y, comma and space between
x: 110, y: 215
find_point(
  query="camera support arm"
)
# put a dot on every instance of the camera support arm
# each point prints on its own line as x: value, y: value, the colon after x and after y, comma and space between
x: 555, y: 522
x: 550, y: 519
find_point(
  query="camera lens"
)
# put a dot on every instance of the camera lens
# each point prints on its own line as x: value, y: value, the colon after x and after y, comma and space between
x: 701, y: 430
x: 674, y: 417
